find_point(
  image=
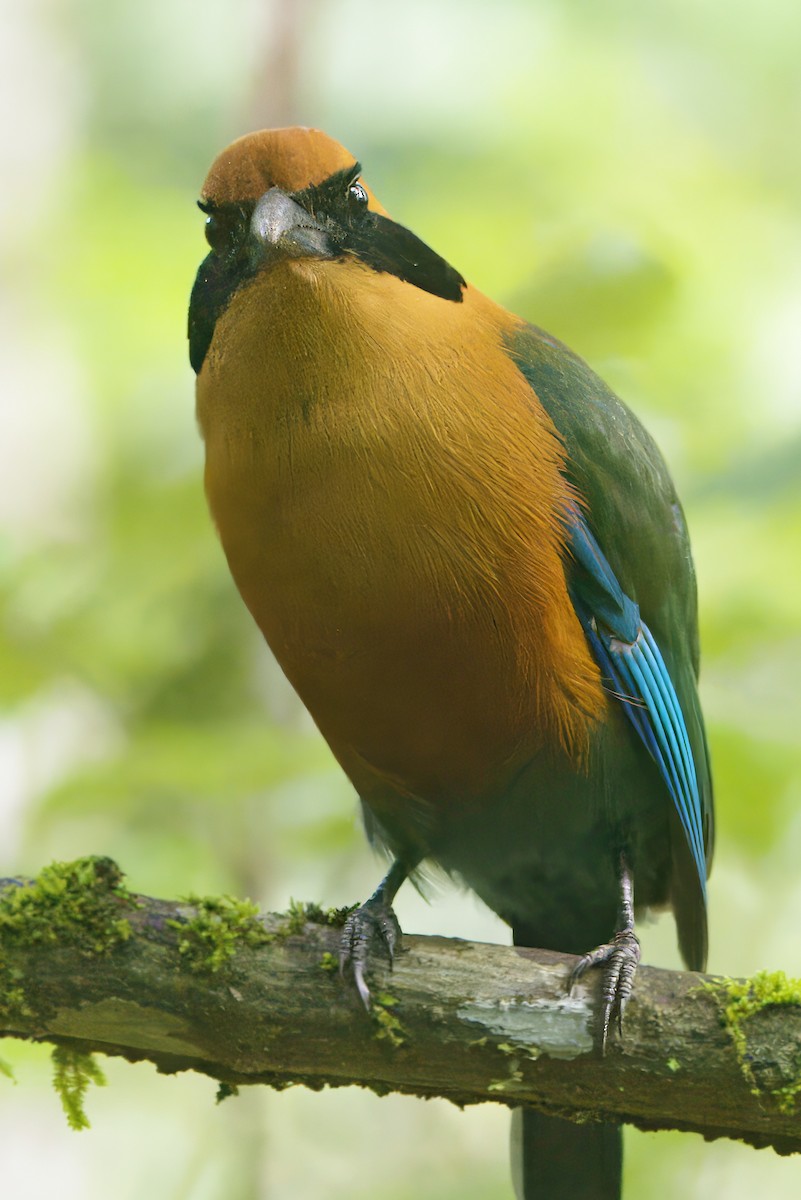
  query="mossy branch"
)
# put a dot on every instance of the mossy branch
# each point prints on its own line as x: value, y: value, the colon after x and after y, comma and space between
x: 208, y: 985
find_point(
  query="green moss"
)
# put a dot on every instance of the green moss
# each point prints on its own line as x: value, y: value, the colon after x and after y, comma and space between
x: 329, y: 962
x: 515, y: 1053
x: 80, y: 903
x: 787, y: 1097
x: 73, y: 1071
x: 518, y: 1048
x: 209, y: 939
x: 743, y: 1000
x: 301, y: 912
x: 388, y: 1026
x: 512, y: 1080
x: 297, y: 915
x: 14, y: 1007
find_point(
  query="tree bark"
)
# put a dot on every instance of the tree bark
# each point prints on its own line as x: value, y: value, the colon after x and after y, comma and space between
x: 456, y: 1019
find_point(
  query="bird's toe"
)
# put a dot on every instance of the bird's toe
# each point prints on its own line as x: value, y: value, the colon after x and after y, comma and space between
x: 372, y: 928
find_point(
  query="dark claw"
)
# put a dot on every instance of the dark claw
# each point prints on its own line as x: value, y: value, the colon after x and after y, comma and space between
x: 371, y: 927
x: 619, y: 958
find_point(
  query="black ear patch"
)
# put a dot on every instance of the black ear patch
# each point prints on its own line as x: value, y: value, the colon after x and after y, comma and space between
x: 211, y: 292
x: 222, y: 271
x: 377, y: 241
x: 386, y: 246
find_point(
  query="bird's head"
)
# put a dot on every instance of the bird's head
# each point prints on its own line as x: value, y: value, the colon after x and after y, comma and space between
x: 284, y: 194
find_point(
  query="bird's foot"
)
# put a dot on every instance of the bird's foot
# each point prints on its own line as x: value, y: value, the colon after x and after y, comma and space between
x: 371, y: 927
x: 620, y: 959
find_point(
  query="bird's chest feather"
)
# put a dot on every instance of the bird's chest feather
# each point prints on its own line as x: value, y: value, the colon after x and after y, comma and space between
x: 387, y: 497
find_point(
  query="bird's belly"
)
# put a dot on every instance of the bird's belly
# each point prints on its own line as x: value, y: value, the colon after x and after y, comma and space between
x: 408, y: 665
x: 416, y: 697
x: 432, y: 696
x: 399, y: 547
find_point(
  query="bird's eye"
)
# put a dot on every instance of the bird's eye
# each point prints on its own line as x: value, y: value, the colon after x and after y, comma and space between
x: 226, y: 227
x: 357, y: 194
x: 218, y: 234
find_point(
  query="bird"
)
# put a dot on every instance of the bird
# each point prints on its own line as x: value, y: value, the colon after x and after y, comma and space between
x: 469, y: 559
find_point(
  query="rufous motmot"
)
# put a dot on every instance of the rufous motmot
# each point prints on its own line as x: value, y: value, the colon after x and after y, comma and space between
x: 469, y: 559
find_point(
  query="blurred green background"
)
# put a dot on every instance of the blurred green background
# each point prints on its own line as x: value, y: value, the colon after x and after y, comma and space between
x: 628, y: 176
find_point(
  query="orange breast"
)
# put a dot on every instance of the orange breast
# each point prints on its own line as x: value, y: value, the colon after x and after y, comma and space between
x: 386, y: 489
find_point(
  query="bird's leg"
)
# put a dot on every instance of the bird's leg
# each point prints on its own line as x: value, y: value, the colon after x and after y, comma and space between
x: 373, y: 924
x: 618, y: 957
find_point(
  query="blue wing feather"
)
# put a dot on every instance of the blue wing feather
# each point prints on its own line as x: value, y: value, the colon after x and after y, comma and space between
x: 636, y: 672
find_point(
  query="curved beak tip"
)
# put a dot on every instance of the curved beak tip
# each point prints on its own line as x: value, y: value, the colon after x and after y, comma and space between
x: 279, y: 222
